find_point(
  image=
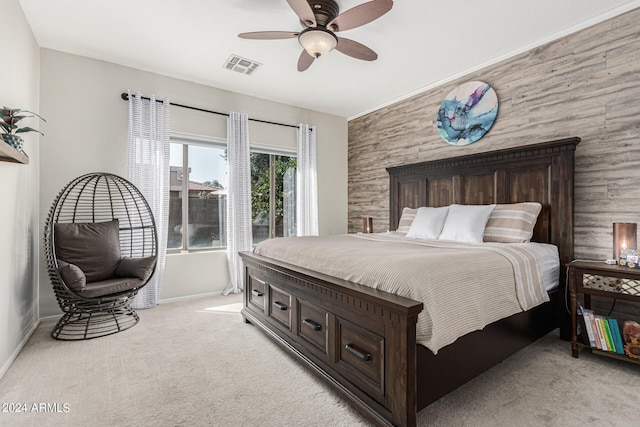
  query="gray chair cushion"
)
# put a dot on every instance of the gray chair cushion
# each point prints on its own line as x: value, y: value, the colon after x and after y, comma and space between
x: 110, y: 286
x: 136, y: 267
x: 93, y: 246
x: 73, y: 277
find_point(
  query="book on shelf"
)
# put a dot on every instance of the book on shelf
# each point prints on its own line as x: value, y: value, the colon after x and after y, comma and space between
x: 594, y: 328
x: 608, y: 337
x: 616, y: 334
x: 601, y: 334
x: 586, y: 328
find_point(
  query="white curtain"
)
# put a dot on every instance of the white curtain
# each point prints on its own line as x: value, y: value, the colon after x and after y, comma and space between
x: 289, y: 203
x: 239, y: 236
x: 149, y: 129
x: 307, y: 185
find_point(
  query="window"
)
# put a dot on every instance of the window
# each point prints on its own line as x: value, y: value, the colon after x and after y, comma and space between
x: 273, y: 196
x: 198, y: 169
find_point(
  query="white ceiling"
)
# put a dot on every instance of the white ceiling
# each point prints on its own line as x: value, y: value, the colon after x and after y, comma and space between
x: 420, y: 43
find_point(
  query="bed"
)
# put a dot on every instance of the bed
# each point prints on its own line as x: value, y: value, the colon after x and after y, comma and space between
x: 364, y: 341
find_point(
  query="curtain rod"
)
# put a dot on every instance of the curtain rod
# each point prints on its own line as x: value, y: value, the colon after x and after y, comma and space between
x: 125, y: 96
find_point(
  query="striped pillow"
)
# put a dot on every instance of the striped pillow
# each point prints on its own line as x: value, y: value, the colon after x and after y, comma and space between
x: 406, y: 219
x: 512, y: 223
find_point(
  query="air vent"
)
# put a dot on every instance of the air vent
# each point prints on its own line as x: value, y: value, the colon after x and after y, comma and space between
x: 241, y: 65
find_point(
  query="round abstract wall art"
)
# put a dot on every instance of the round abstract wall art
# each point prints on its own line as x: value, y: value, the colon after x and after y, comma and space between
x: 467, y: 113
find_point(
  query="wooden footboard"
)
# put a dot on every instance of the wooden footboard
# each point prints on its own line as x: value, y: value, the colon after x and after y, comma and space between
x: 362, y: 342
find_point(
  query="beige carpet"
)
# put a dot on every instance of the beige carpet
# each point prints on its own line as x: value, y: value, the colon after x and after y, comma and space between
x: 196, y: 363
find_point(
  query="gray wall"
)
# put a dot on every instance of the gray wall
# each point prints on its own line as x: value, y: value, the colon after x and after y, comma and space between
x: 586, y: 84
x: 87, y: 132
x: 19, y: 231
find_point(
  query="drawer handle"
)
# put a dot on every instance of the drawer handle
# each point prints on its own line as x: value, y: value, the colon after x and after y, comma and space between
x: 361, y: 355
x: 313, y: 325
x: 257, y: 293
x: 279, y: 305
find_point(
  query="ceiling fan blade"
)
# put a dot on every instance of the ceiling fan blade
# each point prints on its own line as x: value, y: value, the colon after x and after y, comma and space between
x: 360, y: 15
x: 305, y: 60
x: 355, y: 49
x: 304, y: 11
x: 268, y: 35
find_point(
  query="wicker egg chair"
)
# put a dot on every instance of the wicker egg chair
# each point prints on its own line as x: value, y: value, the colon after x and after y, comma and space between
x: 100, y: 245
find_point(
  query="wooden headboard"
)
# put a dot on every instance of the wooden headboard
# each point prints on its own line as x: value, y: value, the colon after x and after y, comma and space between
x: 533, y: 173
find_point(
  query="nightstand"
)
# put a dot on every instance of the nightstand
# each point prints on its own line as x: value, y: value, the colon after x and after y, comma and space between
x: 603, y: 280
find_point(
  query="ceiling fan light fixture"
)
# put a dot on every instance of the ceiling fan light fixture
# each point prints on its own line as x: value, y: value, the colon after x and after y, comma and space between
x: 317, y: 41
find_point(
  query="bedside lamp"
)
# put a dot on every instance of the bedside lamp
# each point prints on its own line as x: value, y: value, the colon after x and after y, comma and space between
x: 367, y: 224
x: 624, y: 237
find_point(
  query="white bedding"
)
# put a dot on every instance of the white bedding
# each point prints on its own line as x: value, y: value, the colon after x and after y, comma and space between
x: 546, y: 254
x: 463, y: 286
x: 548, y: 261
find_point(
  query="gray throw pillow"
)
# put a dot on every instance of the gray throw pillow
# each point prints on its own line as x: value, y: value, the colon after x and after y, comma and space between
x: 73, y: 277
x: 136, y: 267
x: 93, y: 246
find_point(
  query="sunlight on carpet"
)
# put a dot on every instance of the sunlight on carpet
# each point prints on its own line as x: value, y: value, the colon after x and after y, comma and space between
x: 229, y: 308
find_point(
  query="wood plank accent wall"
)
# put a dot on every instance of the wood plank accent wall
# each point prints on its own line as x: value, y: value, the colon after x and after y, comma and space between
x: 586, y: 84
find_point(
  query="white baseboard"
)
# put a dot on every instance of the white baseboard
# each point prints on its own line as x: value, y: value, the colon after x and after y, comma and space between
x: 18, y: 349
x: 162, y: 301
x: 187, y: 297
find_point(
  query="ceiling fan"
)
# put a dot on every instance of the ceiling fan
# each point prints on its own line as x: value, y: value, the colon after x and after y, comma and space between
x: 321, y: 19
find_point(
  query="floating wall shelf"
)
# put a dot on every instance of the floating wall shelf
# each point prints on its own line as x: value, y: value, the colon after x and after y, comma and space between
x: 10, y: 154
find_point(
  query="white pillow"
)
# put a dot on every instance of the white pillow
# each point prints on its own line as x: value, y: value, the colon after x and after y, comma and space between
x: 466, y: 223
x: 428, y: 223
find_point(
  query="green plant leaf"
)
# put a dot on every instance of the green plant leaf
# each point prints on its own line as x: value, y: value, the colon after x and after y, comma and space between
x: 28, y: 129
x: 34, y: 114
x: 11, y: 116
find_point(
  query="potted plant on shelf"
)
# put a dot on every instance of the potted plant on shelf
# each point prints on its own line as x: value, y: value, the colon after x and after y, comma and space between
x: 10, y: 129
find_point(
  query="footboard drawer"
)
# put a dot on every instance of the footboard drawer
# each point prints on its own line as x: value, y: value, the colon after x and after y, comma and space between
x: 280, y: 305
x: 313, y: 325
x: 256, y: 293
x: 360, y: 357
